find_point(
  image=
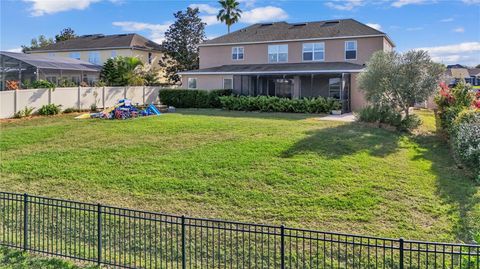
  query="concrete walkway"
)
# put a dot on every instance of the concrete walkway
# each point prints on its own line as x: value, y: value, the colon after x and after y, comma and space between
x: 347, y: 117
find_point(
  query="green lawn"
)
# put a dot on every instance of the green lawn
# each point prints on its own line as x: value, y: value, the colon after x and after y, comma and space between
x: 256, y: 167
x: 15, y: 259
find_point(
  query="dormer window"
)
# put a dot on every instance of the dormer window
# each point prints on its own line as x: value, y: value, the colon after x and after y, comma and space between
x: 351, y: 50
x: 313, y: 51
x: 237, y: 53
x: 277, y: 53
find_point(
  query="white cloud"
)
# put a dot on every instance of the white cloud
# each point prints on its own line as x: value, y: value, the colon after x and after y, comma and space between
x: 467, y: 53
x: 210, y: 19
x: 248, y: 3
x: 401, y: 3
x: 156, y: 31
x: 459, y: 30
x: 43, y: 7
x: 414, y: 28
x: 205, y: 8
x: 15, y: 50
x: 471, y: 2
x: 375, y: 26
x: 263, y: 14
x: 446, y: 20
x: 345, y: 4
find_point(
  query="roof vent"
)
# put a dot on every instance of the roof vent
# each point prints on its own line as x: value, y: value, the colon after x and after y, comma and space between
x: 122, y: 35
x: 299, y: 24
x: 266, y: 24
x: 330, y: 23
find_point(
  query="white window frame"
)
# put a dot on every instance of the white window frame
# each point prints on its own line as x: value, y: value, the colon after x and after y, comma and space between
x: 356, y: 50
x: 90, y: 54
x: 188, y: 83
x: 313, y: 52
x: 73, y: 55
x: 231, y: 79
x: 277, y: 52
x: 235, y: 52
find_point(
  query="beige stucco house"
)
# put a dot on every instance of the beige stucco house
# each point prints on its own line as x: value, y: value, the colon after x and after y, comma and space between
x: 296, y: 60
x: 97, y: 49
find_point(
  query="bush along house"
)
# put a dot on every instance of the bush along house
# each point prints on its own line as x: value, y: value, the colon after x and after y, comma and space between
x: 293, y: 60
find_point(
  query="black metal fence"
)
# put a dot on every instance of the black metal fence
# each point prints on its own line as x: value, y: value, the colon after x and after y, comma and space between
x: 127, y: 238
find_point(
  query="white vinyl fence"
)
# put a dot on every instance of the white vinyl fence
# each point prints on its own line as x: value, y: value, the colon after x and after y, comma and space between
x: 76, y: 97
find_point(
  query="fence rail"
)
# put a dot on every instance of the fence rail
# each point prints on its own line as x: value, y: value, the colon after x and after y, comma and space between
x: 128, y: 238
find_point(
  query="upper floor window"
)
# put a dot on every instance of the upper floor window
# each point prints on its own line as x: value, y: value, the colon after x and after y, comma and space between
x: 351, y: 50
x: 314, y: 51
x: 113, y: 54
x: 277, y: 53
x: 75, y: 55
x: 237, y: 53
x: 94, y: 57
x: 192, y: 83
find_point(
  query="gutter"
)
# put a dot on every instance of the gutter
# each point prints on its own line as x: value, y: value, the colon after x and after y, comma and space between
x: 271, y: 72
x: 91, y: 49
x: 298, y: 40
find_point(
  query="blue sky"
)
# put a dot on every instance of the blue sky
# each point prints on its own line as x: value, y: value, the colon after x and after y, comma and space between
x: 449, y: 29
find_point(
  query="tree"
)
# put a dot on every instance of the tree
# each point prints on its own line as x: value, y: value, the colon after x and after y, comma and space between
x: 65, y: 34
x: 230, y: 12
x: 35, y: 43
x: 122, y: 71
x: 181, y: 44
x: 400, y: 80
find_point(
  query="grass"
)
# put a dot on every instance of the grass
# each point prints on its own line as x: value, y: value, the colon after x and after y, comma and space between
x: 14, y: 259
x: 255, y: 167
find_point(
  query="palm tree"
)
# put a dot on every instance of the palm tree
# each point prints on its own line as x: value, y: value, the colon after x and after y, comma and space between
x: 230, y: 13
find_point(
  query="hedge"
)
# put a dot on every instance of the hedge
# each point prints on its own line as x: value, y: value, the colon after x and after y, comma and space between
x: 183, y: 98
x: 277, y: 104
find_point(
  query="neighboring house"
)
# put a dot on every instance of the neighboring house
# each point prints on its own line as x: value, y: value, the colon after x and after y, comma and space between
x: 97, y: 49
x: 291, y: 60
x: 456, y: 73
x: 26, y: 68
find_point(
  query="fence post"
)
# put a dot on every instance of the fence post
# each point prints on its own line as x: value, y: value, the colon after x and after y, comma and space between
x: 99, y: 234
x: 103, y: 97
x: 282, y: 246
x: 184, y: 242
x: 143, y: 95
x: 401, y: 253
x: 78, y: 97
x: 125, y: 93
x: 49, y: 96
x: 15, y: 102
x: 25, y: 222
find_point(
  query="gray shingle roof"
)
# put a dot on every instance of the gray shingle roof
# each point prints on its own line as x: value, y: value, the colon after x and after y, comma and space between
x: 293, y: 68
x: 44, y: 62
x: 87, y: 42
x: 264, y: 32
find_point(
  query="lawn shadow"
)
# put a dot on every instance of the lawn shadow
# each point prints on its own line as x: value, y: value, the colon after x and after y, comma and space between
x: 246, y: 114
x: 346, y: 139
x: 454, y: 185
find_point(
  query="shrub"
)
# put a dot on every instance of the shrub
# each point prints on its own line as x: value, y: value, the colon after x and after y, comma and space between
x: 26, y: 112
x: 50, y: 109
x: 182, y: 98
x: 66, y: 83
x: 71, y: 110
x: 465, y: 139
x: 451, y: 102
x: 409, y: 123
x: 277, y: 104
x: 42, y: 84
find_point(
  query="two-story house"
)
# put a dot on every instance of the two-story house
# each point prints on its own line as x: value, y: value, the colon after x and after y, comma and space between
x: 97, y: 49
x: 296, y: 60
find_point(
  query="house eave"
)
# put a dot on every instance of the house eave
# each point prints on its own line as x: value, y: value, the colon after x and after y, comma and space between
x: 273, y: 72
x: 298, y: 40
x: 91, y: 49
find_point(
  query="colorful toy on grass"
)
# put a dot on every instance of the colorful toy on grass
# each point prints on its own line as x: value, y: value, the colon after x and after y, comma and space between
x: 123, y: 110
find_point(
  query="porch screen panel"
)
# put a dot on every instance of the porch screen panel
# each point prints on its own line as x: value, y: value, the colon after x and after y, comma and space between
x: 237, y: 84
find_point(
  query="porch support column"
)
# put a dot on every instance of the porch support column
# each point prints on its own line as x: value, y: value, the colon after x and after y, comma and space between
x: 311, y: 84
x: 296, y: 87
x: 258, y: 83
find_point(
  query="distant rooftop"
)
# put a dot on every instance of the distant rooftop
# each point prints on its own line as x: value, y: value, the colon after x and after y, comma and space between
x: 99, y: 41
x: 281, y: 31
x: 45, y: 62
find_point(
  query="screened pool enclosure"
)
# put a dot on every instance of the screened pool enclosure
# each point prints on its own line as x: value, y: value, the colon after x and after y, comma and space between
x: 26, y: 68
